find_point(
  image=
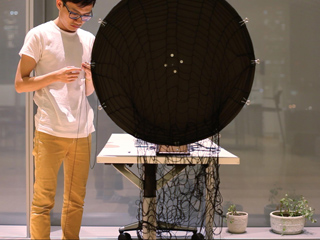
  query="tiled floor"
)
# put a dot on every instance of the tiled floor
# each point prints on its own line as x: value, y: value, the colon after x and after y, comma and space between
x: 111, y: 233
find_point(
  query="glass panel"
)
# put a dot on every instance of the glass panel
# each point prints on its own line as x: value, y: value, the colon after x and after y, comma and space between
x: 12, y: 116
x: 277, y: 136
x: 110, y: 197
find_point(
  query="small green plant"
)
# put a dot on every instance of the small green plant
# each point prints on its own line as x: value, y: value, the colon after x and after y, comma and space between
x: 232, y: 209
x: 290, y: 207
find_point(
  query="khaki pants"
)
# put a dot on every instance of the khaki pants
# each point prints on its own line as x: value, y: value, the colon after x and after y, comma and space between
x: 49, y: 152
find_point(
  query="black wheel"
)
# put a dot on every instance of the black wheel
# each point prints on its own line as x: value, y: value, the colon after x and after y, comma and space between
x: 124, y: 236
x: 197, y: 236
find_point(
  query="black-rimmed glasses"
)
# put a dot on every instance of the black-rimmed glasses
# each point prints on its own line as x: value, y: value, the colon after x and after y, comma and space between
x: 76, y: 16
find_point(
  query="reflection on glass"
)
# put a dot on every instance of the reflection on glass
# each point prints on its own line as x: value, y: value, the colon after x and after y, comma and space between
x: 12, y: 116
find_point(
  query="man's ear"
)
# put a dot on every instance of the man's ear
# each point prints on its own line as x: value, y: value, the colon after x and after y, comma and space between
x: 59, y: 4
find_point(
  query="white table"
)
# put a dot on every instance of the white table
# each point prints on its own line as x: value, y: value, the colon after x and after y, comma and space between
x: 124, y: 149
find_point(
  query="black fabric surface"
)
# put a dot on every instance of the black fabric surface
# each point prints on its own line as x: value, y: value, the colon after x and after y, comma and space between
x: 173, y: 72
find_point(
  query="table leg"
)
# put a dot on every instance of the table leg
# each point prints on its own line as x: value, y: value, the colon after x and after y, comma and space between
x: 149, y: 207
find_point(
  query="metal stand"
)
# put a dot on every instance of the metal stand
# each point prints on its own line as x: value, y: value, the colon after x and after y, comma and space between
x: 149, y: 224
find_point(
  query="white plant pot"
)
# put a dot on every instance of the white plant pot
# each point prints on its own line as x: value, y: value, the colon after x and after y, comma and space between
x: 286, y: 225
x: 237, y: 223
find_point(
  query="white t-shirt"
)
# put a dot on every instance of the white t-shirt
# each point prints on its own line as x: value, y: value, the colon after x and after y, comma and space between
x: 63, y: 108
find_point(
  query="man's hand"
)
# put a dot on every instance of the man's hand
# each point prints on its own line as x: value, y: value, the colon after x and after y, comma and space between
x: 87, y: 68
x: 89, y: 84
x: 67, y: 74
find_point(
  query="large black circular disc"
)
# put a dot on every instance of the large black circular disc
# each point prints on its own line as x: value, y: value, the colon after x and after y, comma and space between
x: 173, y: 72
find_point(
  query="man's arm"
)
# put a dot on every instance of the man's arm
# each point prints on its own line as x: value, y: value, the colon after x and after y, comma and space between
x: 25, y: 83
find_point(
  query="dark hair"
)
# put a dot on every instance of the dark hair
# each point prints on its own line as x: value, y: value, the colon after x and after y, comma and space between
x: 81, y: 3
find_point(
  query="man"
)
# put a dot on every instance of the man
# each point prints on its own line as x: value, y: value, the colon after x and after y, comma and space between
x: 59, y: 52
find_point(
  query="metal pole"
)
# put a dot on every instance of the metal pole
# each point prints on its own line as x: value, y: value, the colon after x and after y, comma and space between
x: 29, y: 127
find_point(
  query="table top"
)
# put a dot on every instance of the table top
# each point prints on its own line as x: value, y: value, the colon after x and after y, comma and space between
x: 123, y: 148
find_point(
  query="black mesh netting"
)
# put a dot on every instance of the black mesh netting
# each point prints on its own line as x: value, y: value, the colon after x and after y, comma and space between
x: 174, y: 72
x: 185, y: 198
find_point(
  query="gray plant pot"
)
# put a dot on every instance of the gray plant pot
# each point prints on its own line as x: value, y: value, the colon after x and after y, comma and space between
x: 286, y: 225
x: 237, y: 223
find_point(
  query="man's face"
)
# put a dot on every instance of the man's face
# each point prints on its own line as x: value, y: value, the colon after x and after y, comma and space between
x: 71, y: 9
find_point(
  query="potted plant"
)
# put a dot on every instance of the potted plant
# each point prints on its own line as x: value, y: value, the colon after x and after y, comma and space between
x: 291, y: 216
x: 237, y: 221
